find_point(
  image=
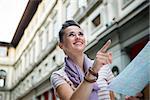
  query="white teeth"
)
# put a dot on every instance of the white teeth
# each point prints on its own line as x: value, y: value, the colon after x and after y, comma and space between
x: 78, y: 43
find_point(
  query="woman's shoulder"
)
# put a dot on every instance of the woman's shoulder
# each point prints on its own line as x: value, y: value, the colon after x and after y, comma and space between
x: 58, y: 77
x: 59, y: 72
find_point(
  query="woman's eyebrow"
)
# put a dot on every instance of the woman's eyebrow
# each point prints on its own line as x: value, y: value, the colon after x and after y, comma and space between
x: 80, y: 32
x: 71, y: 32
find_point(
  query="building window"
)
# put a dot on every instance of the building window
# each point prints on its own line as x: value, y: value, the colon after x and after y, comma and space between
x: 54, y: 24
x: 33, y: 53
x: 19, y: 69
x: 69, y: 11
x: 1, y: 82
x: 45, y: 38
x: 47, y: 3
x: 46, y: 64
x: 96, y: 21
x: 82, y: 3
x: 50, y: 31
x: 54, y: 58
x: 37, y: 47
x: 55, y: 28
x: 30, y: 55
x: 89, y: 1
x: 2, y: 78
x: 32, y: 80
x: 46, y: 95
x: 1, y: 97
x: 42, y: 42
x: 40, y: 71
x: 46, y: 34
x: 53, y: 96
x: 3, y: 52
x: 125, y: 3
x: 26, y: 60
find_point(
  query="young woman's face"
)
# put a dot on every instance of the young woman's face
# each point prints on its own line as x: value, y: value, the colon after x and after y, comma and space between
x: 73, y: 40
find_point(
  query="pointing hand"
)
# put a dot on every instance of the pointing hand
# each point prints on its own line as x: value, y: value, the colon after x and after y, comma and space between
x: 102, y: 57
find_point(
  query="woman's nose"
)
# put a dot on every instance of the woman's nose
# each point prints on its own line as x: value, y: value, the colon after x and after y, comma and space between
x: 77, y: 35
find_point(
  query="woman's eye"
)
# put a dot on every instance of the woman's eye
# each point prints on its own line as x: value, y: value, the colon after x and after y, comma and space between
x: 81, y: 34
x: 71, y: 34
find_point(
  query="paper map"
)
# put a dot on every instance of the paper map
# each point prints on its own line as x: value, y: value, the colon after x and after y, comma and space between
x: 135, y: 76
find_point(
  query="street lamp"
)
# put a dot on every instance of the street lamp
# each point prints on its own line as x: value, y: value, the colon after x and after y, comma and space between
x: 2, y: 77
x: 115, y: 70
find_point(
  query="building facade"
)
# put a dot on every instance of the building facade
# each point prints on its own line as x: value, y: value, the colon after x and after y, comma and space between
x: 28, y: 66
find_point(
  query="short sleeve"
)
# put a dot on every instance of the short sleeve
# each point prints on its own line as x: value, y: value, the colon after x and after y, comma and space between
x: 56, y: 80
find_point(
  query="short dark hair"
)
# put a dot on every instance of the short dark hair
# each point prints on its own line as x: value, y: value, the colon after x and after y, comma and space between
x: 64, y: 26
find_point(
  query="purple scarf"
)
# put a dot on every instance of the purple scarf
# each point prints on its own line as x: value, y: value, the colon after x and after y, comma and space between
x: 77, y: 76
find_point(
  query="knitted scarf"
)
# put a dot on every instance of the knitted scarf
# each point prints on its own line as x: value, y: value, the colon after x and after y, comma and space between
x: 77, y: 76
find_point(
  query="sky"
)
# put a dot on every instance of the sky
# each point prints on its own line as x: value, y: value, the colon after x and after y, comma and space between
x: 11, y: 12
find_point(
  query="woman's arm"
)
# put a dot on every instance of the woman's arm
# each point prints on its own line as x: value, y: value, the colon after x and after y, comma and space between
x: 65, y: 92
x: 83, y: 91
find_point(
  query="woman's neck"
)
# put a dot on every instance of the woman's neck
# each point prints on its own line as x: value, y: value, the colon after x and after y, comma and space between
x: 78, y: 59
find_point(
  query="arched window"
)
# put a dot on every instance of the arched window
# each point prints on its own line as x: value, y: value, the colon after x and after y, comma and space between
x: 2, y: 77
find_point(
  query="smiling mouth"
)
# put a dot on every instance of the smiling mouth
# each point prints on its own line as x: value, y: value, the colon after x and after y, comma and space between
x: 78, y: 43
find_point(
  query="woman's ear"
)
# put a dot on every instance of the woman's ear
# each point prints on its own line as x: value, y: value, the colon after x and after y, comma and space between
x: 60, y: 45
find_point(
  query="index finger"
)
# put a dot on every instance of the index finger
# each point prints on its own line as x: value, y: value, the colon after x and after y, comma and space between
x: 106, y: 45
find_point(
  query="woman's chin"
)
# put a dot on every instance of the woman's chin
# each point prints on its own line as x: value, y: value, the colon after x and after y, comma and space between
x: 79, y: 50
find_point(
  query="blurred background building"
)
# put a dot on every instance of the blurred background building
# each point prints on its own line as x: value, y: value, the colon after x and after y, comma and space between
x: 28, y: 61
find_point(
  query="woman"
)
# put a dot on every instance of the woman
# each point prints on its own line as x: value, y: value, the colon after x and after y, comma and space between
x: 80, y: 78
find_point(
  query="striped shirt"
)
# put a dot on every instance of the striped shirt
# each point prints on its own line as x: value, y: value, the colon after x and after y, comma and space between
x: 105, y: 76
